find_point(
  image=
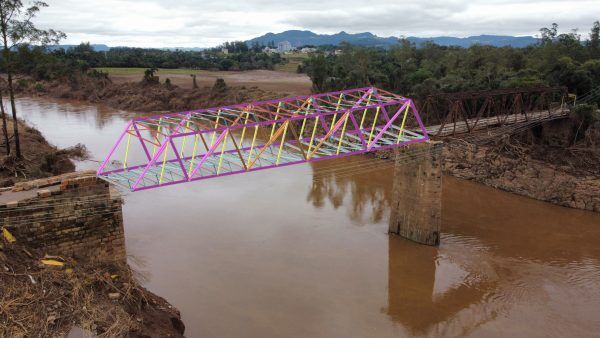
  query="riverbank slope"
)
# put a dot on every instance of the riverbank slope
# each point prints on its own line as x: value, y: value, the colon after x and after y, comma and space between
x: 40, y: 158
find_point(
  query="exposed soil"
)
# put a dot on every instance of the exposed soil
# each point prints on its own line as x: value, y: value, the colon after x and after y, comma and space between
x: 38, y: 300
x: 520, y: 170
x: 146, y: 97
x: 40, y: 159
x: 267, y: 80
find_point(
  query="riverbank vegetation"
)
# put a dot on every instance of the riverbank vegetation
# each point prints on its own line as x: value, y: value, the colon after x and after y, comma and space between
x: 557, y: 60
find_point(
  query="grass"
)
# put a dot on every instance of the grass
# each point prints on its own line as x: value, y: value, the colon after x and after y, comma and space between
x: 294, y: 59
x: 290, y: 67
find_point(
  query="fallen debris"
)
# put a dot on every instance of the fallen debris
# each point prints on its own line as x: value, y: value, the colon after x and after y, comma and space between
x: 40, y: 300
x: 8, y: 236
x: 52, y: 262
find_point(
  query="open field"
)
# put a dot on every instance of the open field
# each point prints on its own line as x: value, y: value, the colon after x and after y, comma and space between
x: 276, y: 81
x: 294, y: 60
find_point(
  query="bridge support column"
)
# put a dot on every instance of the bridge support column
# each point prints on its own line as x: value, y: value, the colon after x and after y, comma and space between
x: 417, y: 196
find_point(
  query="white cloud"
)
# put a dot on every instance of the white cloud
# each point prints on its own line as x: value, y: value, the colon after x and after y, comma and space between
x: 195, y: 23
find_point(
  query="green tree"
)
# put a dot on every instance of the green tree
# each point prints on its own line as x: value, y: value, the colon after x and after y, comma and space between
x: 16, y: 27
x: 592, y: 67
x: 317, y: 70
x: 549, y: 34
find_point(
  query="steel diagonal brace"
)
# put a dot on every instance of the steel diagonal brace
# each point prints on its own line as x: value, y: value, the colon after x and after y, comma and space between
x: 179, y: 159
x: 162, y: 148
x: 152, y: 162
x: 320, y: 110
x: 209, y: 153
x: 380, y: 99
x: 388, y: 124
x: 271, y: 140
x: 330, y: 132
x: 358, y: 103
x: 139, y: 135
x: 416, y: 113
x: 114, y: 147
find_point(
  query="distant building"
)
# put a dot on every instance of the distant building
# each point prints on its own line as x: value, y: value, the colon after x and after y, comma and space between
x: 338, y: 52
x: 270, y: 50
x: 308, y: 50
x: 284, y: 47
x: 224, y: 50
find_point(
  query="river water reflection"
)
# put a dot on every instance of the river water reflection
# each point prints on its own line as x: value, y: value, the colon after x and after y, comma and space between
x: 282, y: 253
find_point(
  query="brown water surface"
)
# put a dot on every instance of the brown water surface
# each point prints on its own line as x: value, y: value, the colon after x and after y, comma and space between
x: 302, y: 251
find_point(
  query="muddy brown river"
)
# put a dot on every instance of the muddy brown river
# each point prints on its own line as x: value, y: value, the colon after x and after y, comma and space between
x: 302, y: 251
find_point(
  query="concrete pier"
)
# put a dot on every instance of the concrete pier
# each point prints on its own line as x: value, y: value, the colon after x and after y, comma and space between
x: 417, y: 197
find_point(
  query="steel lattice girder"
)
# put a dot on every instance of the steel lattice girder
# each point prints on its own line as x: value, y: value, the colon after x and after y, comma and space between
x: 201, y: 144
x: 448, y: 109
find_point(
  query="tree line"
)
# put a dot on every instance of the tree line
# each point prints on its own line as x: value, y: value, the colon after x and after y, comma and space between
x: 43, y: 64
x: 557, y: 60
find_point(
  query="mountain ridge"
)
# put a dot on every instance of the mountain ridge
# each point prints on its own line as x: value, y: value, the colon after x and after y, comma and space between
x: 305, y: 37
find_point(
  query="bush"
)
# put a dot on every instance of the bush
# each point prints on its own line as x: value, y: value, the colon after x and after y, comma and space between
x: 22, y: 84
x: 149, y: 77
x: 220, y: 86
x: 586, y: 113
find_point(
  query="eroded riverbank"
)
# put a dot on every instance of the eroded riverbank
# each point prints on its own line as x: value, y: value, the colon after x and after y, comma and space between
x: 143, y: 96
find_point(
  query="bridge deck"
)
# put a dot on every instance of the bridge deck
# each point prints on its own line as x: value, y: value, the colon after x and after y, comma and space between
x: 461, y: 127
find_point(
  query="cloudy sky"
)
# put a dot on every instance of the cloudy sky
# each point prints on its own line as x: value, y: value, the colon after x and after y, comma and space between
x: 206, y: 23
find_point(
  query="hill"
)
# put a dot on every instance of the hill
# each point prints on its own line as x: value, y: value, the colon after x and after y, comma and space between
x: 96, y: 47
x: 299, y: 38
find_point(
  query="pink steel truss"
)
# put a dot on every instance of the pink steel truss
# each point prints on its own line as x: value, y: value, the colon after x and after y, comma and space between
x: 201, y: 144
